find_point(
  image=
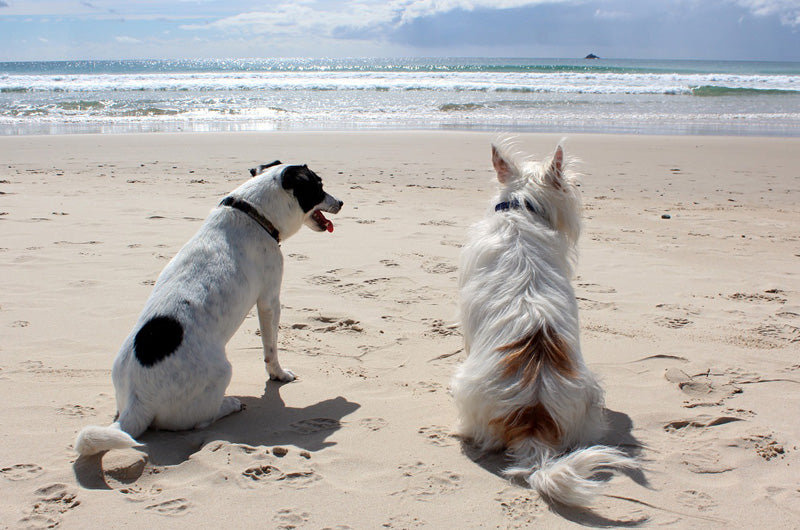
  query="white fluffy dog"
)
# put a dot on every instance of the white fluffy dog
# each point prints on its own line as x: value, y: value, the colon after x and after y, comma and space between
x: 171, y: 373
x: 524, y: 386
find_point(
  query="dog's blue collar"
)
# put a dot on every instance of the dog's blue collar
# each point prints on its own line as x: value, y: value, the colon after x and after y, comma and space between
x: 516, y: 205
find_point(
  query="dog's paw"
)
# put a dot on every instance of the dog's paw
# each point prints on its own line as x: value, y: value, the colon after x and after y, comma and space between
x: 284, y: 376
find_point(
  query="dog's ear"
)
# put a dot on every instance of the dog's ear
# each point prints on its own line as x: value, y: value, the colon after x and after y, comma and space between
x: 260, y: 169
x: 554, y: 174
x: 304, y: 184
x: 500, y: 166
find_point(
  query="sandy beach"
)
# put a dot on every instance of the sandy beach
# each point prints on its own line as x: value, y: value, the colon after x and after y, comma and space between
x: 687, y: 282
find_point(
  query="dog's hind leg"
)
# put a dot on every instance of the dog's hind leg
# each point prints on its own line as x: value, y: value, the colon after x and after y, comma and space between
x: 269, y: 315
x: 229, y: 405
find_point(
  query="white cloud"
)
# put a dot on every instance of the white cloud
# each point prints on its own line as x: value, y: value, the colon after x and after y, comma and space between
x: 124, y: 39
x: 605, y: 14
x: 285, y: 18
x: 788, y: 11
x: 352, y: 14
x: 413, y: 9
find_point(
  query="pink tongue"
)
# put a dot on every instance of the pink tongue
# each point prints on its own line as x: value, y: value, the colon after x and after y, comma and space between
x: 324, y: 221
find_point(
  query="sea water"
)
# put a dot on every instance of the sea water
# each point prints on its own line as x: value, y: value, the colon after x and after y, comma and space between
x: 517, y: 95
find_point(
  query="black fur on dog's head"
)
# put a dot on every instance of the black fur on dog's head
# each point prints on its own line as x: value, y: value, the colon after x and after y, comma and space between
x: 305, y: 185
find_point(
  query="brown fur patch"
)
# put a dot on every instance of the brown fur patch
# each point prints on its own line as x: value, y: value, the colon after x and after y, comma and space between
x: 525, y: 357
x: 527, y: 422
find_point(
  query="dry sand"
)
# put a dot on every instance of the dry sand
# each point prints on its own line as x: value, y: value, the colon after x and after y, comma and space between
x: 693, y: 323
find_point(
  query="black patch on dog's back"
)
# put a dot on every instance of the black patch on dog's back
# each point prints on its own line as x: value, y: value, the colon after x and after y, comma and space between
x: 305, y: 184
x: 157, y: 339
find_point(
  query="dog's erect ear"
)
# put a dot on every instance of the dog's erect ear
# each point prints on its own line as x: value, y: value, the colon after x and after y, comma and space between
x: 260, y: 169
x: 500, y: 166
x: 554, y: 175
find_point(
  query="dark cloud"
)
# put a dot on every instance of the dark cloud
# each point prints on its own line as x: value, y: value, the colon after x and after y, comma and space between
x: 710, y: 30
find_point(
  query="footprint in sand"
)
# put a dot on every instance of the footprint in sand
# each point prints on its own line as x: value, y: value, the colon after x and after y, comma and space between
x: 426, y: 484
x: 21, y: 472
x: 439, y: 328
x: 697, y: 454
x: 314, y: 425
x: 704, y: 461
x: 324, y: 279
x: 520, y: 510
x: 437, y: 435
x: 782, y: 334
x: 704, y: 389
x: 772, y: 295
x: 447, y: 242
x: 373, y: 424
x: 337, y: 325
x: 606, y: 330
x: 436, y: 484
x: 703, y: 422
x: 137, y: 494
x: 404, y: 522
x: 595, y: 288
x: 79, y: 411
x: 438, y: 267
x: 586, y: 304
x: 268, y: 473
x: 263, y: 472
x: 698, y: 500
x: 673, y: 322
x: 425, y: 386
x: 288, y: 518
x: 171, y: 508
x: 439, y: 222
x: 52, y: 502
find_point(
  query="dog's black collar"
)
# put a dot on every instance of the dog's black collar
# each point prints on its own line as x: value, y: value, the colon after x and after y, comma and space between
x: 252, y: 213
x: 515, y: 205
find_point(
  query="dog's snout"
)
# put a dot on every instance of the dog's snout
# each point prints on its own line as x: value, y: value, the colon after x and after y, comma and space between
x: 334, y: 205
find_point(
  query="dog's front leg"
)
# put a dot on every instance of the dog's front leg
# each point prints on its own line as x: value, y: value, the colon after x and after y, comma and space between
x: 269, y: 315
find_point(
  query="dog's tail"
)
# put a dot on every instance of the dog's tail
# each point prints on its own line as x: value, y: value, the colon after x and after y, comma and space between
x: 119, y: 435
x: 568, y: 479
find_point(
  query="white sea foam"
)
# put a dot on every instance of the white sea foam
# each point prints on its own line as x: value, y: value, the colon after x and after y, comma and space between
x: 486, y: 94
x: 563, y: 82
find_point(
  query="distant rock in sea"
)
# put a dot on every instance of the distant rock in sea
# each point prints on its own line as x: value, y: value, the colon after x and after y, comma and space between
x: 591, y: 56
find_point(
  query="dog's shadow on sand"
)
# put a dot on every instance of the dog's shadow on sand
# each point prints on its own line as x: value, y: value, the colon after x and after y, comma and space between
x: 618, y: 435
x: 265, y: 421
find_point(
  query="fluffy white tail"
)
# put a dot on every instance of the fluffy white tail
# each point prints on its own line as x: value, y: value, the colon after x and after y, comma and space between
x: 566, y: 479
x: 94, y: 439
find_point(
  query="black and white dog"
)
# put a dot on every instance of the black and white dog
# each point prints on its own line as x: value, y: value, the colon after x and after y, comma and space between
x: 171, y: 372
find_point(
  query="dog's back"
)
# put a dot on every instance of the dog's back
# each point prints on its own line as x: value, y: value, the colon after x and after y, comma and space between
x: 524, y: 385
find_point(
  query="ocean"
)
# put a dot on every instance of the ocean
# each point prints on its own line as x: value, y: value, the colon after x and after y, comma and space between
x: 514, y: 95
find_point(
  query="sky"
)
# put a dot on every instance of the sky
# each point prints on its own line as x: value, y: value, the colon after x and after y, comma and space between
x: 186, y: 29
